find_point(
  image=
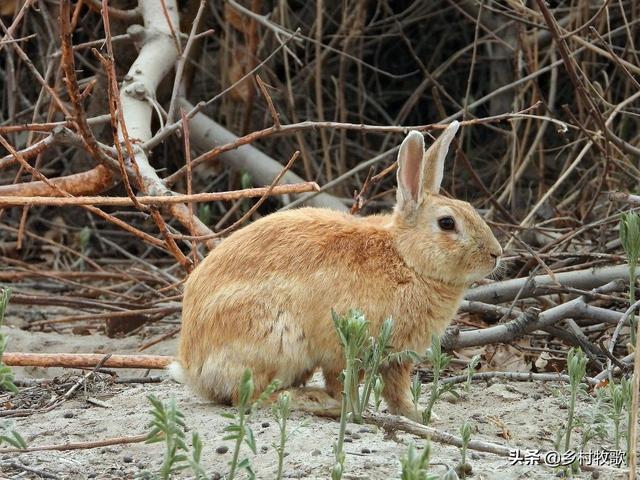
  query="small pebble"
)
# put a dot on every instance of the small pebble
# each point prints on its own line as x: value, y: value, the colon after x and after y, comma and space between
x: 68, y: 415
x: 365, y: 430
x: 222, y: 449
x: 141, y: 465
x: 315, y: 453
x: 348, y: 440
x: 356, y: 436
x: 474, y: 456
x: 365, y: 450
x: 264, y: 448
x: 265, y: 424
x: 92, y: 475
x: 127, y: 459
x: 595, y: 474
x: 216, y: 476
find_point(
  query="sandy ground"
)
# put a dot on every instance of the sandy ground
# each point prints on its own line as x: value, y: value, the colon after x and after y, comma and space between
x: 528, y: 413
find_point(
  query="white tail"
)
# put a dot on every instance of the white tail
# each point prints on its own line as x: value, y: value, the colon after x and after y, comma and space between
x: 176, y: 372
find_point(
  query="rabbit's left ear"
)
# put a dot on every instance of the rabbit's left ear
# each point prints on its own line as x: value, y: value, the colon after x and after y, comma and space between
x: 434, y: 158
x: 410, y: 170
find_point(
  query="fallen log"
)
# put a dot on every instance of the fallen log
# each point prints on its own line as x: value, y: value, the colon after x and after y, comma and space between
x: 508, y: 290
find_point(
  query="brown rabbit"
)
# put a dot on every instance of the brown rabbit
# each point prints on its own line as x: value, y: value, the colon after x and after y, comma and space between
x: 262, y: 299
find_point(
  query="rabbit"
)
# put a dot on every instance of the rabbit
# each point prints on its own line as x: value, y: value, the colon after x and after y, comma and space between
x: 263, y: 298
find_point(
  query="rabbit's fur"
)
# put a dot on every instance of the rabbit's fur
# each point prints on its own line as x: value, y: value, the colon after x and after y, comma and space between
x: 262, y: 299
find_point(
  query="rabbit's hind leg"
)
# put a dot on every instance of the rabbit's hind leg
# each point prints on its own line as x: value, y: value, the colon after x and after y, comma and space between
x: 313, y: 400
x: 332, y: 382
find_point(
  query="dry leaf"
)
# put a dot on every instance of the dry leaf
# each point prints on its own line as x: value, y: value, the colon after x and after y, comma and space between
x: 505, y: 358
x: 504, y: 431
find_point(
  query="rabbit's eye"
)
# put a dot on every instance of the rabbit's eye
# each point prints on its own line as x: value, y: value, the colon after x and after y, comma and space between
x: 447, y: 223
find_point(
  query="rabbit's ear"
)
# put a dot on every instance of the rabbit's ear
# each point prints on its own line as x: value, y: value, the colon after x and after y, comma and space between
x: 410, y: 169
x: 434, y: 158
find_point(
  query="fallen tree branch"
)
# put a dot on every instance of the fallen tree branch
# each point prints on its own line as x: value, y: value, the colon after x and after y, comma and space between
x: 516, y: 377
x: 396, y: 422
x: 625, y: 197
x: 206, y: 134
x: 508, y: 290
x: 532, y: 319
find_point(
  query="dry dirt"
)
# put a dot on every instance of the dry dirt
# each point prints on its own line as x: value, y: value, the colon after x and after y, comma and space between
x: 529, y: 413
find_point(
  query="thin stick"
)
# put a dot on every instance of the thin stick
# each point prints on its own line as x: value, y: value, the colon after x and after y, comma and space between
x: 394, y: 422
x: 309, y: 125
x: 251, y: 211
x: 110, y: 218
x: 8, y: 201
x: 84, y: 360
x: 80, y: 445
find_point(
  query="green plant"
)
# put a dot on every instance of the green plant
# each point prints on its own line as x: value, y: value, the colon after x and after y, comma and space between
x: 415, y: 465
x: 450, y: 475
x: 352, y: 330
x: 439, y: 361
x: 378, y: 388
x: 281, y: 411
x: 630, y: 239
x: 205, y: 215
x: 375, y: 354
x: 6, y: 374
x: 464, y: 468
x: 627, y: 396
x: 364, y: 356
x: 245, y: 182
x: 471, y: 370
x: 593, y: 422
x: 167, y: 425
x: 577, y: 367
x: 11, y: 437
x: 85, y: 238
x: 616, y: 407
x: 239, y: 430
x: 416, y: 390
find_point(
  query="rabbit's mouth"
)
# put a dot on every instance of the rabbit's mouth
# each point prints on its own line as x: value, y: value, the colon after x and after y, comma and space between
x: 489, y: 266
